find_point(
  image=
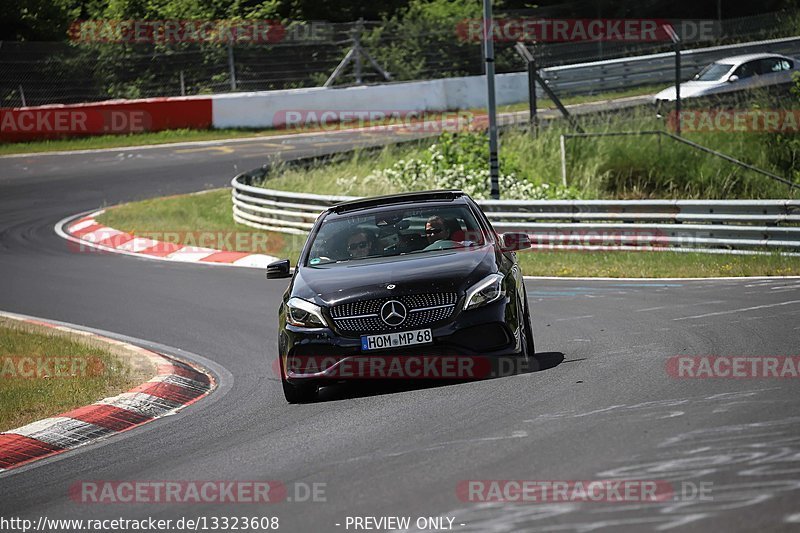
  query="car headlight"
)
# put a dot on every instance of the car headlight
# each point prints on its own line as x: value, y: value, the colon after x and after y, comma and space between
x: 485, y: 291
x: 304, y: 314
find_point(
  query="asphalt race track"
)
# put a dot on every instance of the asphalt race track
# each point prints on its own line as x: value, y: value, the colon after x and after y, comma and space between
x: 601, y: 406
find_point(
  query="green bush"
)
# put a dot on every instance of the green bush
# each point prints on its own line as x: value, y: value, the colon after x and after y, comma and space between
x: 459, y: 161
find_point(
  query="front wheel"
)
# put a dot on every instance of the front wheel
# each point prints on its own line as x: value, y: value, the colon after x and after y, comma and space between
x: 530, y: 349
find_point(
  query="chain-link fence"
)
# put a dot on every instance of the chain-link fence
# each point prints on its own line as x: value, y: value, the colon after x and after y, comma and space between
x: 38, y: 73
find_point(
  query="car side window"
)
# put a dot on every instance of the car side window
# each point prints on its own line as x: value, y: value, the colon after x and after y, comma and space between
x: 746, y: 70
x: 770, y: 66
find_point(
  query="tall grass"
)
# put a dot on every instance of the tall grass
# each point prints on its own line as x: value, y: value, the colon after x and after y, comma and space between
x: 641, y: 166
x: 650, y: 166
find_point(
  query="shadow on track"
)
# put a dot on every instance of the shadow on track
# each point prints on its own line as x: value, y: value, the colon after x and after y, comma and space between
x: 363, y: 388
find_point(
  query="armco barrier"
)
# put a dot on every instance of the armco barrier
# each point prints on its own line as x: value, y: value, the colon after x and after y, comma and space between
x: 701, y: 225
x: 267, y: 109
x: 654, y: 68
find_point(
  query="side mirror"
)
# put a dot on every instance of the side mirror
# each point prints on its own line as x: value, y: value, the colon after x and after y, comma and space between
x: 515, y: 241
x: 278, y: 269
x: 734, y: 78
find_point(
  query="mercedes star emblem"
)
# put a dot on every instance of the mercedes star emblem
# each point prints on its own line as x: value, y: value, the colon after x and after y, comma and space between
x: 393, y: 313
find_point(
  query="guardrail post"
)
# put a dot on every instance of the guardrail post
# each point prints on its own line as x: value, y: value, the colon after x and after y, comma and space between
x: 563, y: 143
x: 532, y: 103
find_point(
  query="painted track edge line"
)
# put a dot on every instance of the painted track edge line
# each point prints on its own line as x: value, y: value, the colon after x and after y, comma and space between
x: 60, y: 230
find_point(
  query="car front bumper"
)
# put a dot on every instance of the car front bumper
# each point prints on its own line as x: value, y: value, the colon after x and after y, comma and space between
x: 469, y: 346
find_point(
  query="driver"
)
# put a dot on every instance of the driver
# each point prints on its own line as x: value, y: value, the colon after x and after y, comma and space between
x: 360, y: 244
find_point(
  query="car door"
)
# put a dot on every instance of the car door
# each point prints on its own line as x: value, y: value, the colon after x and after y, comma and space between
x: 748, y: 74
x: 777, y: 70
x: 774, y: 71
x: 744, y: 73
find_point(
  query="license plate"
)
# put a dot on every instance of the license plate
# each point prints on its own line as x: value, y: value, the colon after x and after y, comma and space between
x: 396, y: 340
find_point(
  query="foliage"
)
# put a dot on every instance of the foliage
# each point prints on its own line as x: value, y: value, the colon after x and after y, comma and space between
x: 786, y: 147
x: 423, y: 41
x: 459, y: 161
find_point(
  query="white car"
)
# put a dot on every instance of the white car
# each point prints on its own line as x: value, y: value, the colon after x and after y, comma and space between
x: 735, y: 74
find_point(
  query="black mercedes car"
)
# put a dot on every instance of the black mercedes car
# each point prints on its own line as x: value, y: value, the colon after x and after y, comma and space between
x: 411, y: 275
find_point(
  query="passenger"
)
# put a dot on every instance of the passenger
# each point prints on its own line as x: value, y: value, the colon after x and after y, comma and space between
x: 436, y: 230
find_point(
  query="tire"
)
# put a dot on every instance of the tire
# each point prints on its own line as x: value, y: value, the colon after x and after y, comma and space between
x: 299, y: 393
x: 530, y: 348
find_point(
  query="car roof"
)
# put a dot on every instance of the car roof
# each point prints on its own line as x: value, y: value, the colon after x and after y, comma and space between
x: 744, y: 58
x: 402, y: 198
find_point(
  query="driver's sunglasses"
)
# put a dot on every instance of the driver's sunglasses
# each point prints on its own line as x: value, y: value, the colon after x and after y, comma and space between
x: 433, y: 231
x: 357, y: 245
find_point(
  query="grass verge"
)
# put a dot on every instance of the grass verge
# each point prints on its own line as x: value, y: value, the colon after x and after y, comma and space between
x: 654, y: 264
x: 210, y: 212
x: 200, y: 219
x: 45, y: 372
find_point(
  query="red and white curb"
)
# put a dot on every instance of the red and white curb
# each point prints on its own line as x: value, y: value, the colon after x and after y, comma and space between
x: 175, y: 386
x: 89, y: 235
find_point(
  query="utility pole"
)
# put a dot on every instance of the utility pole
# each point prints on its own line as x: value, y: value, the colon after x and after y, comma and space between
x: 231, y: 66
x: 488, y: 41
x: 678, y: 84
x: 357, y: 46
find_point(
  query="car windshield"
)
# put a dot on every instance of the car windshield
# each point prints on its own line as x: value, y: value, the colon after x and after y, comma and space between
x: 713, y: 72
x: 393, y: 232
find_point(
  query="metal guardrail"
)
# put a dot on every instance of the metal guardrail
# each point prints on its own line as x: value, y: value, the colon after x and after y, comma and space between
x: 629, y: 72
x: 698, y: 225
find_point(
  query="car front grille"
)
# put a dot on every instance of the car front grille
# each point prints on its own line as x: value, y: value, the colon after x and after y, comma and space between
x: 423, y: 309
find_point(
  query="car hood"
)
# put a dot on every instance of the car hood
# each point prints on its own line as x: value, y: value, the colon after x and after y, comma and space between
x: 689, y: 89
x: 441, y: 271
